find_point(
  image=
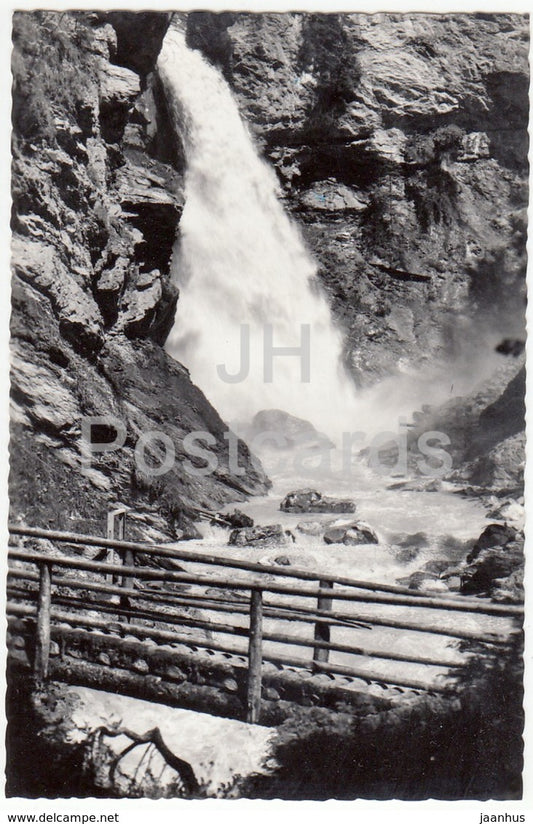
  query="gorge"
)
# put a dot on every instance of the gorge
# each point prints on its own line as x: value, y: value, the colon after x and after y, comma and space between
x: 102, y: 183
x: 183, y: 181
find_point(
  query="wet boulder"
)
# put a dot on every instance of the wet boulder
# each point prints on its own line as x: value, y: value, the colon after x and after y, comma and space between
x: 491, y: 568
x: 423, y: 579
x: 436, y: 566
x: 406, y: 546
x: 236, y: 519
x: 282, y: 560
x: 260, y: 536
x: 309, y: 500
x: 404, y: 555
x: 496, y: 535
x: 351, y: 534
x: 313, y: 528
x: 509, y: 589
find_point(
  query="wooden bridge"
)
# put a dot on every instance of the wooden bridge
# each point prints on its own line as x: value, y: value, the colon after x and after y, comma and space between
x: 202, y: 631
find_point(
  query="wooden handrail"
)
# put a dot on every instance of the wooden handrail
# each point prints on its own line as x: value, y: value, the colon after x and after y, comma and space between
x: 218, y: 560
x: 506, y: 610
x: 283, y: 612
x: 272, y: 609
x: 324, y: 645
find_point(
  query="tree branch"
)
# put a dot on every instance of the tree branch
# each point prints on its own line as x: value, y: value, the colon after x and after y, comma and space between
x: 154, y: 737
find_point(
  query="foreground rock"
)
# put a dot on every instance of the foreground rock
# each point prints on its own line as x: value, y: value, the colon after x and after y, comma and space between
x: 493, y: 570
x: 494, y: 535
x: 261, y: 536
x: 351, y: 534
x: 423, y: 580
x: 309, y: 500
x: 495, y: 563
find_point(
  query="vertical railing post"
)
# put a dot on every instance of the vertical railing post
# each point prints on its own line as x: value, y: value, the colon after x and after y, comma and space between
x: 42, y: 640
x: 116, y: 531
x: 116, y: 521
x: 128, y: 559
x: 255, y: 657
x: 322, y: 630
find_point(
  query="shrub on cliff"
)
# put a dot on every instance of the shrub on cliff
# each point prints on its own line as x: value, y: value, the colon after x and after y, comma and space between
x: 328, y: 54
x: 424, y: 149
x: 429, y: 185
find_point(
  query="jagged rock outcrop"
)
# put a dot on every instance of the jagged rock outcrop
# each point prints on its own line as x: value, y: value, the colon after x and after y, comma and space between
x: 97, y: 198
x: 486, y: 430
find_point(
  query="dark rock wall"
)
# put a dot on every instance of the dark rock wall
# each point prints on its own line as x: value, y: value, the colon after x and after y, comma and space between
x: 97, y: 198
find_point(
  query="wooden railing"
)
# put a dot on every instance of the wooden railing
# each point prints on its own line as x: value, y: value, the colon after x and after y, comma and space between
x: 51, y: 593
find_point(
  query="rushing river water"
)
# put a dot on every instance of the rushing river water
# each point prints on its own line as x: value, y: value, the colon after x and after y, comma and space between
x: 447, y: 522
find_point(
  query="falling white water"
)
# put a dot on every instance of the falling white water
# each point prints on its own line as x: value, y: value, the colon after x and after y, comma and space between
x: 241, y: 261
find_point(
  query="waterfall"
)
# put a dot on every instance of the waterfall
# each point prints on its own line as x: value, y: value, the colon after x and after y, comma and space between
x: 240, y: 260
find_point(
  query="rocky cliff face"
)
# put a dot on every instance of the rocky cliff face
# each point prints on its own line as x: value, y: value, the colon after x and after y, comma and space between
x: 400, y: 142
x: 97, y: 191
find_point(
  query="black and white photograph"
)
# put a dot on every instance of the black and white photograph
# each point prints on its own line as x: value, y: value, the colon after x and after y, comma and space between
x: 267, y: 406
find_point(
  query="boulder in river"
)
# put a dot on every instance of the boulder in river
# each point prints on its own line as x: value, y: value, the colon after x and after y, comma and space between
x: 314, y: 528
x: 270, y: 535
x: 282, y: 560
x: 496, y: 535
x: 309, y: 500
x: 493, y: 569
x: 406, y: 546
x: 351, y: 534
x: 236, y: 519
x: 423, y: 580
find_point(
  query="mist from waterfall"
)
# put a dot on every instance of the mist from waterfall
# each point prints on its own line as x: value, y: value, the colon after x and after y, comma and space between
x: 240, y: 260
